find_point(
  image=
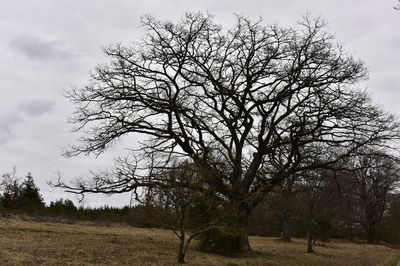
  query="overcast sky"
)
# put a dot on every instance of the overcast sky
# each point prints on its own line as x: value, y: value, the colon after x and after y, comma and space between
x: 48, y: 46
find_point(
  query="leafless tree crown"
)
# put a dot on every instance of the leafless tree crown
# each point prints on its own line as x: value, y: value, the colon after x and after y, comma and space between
x: 250, y: 106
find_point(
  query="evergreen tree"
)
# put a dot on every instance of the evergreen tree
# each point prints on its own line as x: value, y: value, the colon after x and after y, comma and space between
x: 30, y: 198
x: 20, y: 196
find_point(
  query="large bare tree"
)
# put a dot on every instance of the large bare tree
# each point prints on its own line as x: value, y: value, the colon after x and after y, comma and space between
x: 247, y: 105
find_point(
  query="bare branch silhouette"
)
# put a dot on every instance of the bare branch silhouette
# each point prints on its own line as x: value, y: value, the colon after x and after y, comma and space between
x: 249, y: 106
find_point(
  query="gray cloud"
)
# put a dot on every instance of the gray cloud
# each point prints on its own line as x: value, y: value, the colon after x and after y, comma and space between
x: 35, y: 48
x: 7, y: 124
x: 32, y: 108
x: 37, y: 107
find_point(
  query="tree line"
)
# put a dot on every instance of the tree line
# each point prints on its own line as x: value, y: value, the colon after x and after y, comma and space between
x: 22, y: 196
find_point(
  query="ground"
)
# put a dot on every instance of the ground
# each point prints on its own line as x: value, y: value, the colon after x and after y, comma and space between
x: 24, y: 242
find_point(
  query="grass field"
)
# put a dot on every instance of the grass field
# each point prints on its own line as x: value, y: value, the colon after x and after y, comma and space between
x: 40, y: 243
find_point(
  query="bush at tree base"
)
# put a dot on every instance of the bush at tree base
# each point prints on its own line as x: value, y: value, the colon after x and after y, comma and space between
x: 226, y: 241
x: 224, y: 235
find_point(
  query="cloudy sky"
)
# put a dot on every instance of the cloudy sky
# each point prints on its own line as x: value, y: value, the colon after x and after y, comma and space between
x: 49, y: 46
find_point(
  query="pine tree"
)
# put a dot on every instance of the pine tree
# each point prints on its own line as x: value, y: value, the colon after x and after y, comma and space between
x: 30, y: 198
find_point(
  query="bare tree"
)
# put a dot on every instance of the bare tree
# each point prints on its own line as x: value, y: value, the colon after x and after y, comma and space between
x: 315, y: 203
x: 375, y: 175
x: 7, y: 179
x: 179, y: 194
x: 179, y: 198
x: 397, y: 7
x: 245, y: 105
x: 287, y: 206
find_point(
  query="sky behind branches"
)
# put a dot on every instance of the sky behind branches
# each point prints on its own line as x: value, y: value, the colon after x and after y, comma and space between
x: 49, y: 46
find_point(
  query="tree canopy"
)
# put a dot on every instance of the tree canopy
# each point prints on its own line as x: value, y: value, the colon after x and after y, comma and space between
x: 249, y: 106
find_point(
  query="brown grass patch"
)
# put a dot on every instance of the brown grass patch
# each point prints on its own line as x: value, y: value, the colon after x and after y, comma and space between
x: 43, y: 243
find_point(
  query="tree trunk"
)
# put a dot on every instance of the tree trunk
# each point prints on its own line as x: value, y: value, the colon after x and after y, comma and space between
x: 286, y: 229
x: 288, y: 203
x: 245, y: 237
x: 372, y: 235
x: 349, y: 230
x: 181, y: 249
x: 309, y: 240
x: 242, y: 223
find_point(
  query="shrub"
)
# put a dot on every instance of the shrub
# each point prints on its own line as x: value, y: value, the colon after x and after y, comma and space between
x: 226, y: 241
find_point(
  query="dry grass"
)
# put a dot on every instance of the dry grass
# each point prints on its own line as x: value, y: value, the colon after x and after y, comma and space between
x: 40, y: 243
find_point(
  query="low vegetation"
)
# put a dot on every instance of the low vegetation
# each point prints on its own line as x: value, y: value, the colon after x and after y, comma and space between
x: 31, y: 243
